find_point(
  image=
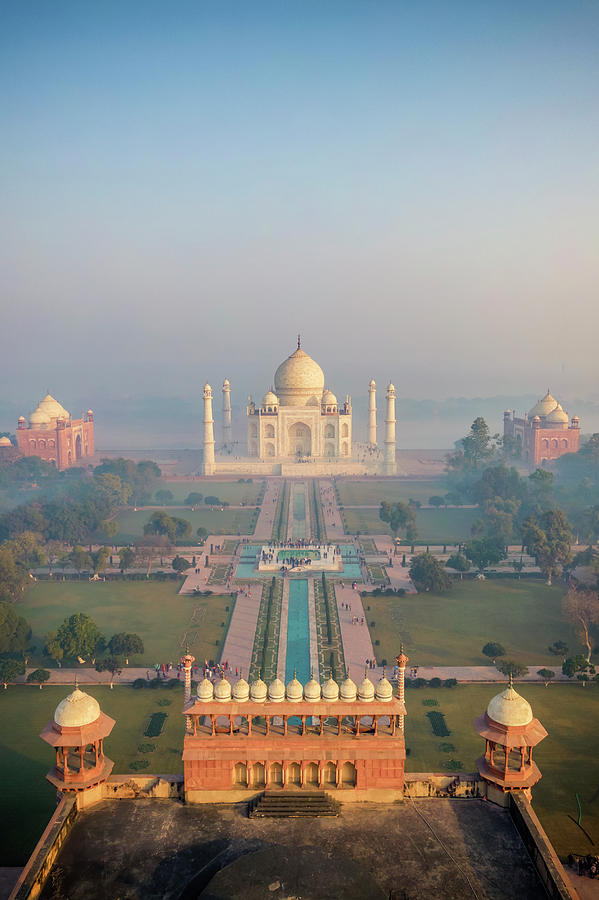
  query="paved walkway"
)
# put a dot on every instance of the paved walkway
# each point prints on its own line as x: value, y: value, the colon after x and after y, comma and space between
x: 357, y: 645
x: 330, y: 508
x: 263, y: 530
x: 240, y: 637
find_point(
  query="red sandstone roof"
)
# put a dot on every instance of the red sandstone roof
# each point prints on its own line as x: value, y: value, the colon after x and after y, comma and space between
x: 319, y: 708
x: 56, y: 736
x: 511, y: 735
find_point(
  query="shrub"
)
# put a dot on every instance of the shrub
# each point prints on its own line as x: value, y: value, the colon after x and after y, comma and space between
x: 139, y: 684
x: 437, y: 720
x: 172, y: 683
x: 450, y: 682
x: 372, y: 624
x: 435, y: 683
x: 454, y: 765
x: 139, y: 764
x: 155, y: 725
x: 430, y: 701
x: 146, y: 748
x: 163, y: 702
x: 401, y: 592
x: 377, y: 642
x: 155, y: 683
x: 446, y: 747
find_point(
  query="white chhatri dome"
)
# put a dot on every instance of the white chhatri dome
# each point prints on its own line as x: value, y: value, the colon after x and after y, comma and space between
x: 258, y: 691
x: 76, y: 710
x: 366, y: 690
x: 312, y: 690
x: 543, y: 407
x: 295, y: 691
x: 205, y: 690
x: 384, y: 690
x: 348, y: 690
x: 222, y: 690
x: 329, y: 399
x: 298, y: 379
x: 241, y: 690
x: 509, y: 708
x: 276, y: 691
x: 5, y: 441
x: 330, y: 690
x: 270, y: 399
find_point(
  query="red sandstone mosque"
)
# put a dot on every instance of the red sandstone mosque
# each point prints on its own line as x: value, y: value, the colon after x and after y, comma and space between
x: 53, y: 435
x: 544, y: 434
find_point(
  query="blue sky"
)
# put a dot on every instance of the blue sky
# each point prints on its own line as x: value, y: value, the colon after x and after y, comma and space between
x: 187, y: 185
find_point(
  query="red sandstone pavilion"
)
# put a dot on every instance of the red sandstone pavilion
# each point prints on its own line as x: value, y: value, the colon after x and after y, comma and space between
x: 53, y: 435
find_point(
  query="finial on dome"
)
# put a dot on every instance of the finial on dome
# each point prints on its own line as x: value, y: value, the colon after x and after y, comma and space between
x: 511, y: 680
x: 299, y: 342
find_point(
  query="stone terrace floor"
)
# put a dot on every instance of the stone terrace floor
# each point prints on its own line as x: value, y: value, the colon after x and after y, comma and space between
x: 443, y: 849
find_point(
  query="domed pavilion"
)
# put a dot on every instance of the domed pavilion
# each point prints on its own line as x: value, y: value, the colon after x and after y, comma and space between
x: 54, y: 435
x: 77, y: 733
x: 544, y: 433
x: 299, y: 417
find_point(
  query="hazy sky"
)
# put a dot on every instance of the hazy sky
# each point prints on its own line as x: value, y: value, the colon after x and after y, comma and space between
x: 187, y: 185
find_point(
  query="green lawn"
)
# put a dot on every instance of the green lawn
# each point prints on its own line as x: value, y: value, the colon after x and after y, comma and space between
x: 371, y: 492
x: 163, y: 618
x: 567, y: 758
x: 215, y: 521
x: 451, y: 629
x: 28, y: 800
x: 436, y: 526
x: 234, y: 493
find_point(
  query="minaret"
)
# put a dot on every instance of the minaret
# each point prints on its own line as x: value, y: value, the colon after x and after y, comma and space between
x: 401, y: 661
x: 389, y: 465
x: 187, y: 662
x: 372, y: 413
x: 208, y: 432
x: 227, y: 440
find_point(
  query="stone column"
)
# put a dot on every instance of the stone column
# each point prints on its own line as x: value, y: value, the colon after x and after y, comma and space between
x: 389, y: 465
x: 402, y: 661
x: 187, y: 661
x: 208, y: 467
x: 227, y: 431
x: 372, y: 413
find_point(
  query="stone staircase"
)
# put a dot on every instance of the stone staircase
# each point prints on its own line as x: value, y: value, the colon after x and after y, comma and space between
x: 293, y: 804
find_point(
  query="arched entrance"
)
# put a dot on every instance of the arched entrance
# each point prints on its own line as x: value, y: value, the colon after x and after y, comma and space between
x: 240, y: 775
x: 300, y: 440
x: 275, y: 775
x: 78, y: 453
x: 348, y: 774
x: 258, y: 775
x: 294, y: 773
x: 311, y: 774
x: 330, y: 773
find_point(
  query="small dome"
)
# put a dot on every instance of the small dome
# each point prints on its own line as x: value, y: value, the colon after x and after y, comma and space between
x: 270, y: 399
x: 390, y: 388
x: 312, y: 690
x: 372, y: 383
x: 329, y: 399
x: 366, y: 690
x: 384, y: 690
x: 295, y: 691
x: 509, y: 708
x: 543, y: 407
x: 22, y: 419
x: 77, y: 710
x: 241, y: 690
x: 38, y: 417
x: 205, y: 690
x: 258, y: 691
x: 5, y: 442
x: 348, y: 690
x: 222, y: 690
x: 90, y: 412
x: 226, y: 383
x: 330, y: 690
x: 575, y: 419
x: 557, y: 416
x: 276, y: 691
x: 537, y: 419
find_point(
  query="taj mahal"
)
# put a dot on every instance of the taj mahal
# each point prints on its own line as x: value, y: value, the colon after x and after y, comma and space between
x: 301, y: 422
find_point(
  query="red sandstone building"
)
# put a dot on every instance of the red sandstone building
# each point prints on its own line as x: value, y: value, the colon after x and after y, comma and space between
x: 53, y: 435
x: 544, y: 434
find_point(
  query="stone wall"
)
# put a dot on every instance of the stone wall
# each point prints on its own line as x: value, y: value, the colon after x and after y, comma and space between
x: 32, y: 878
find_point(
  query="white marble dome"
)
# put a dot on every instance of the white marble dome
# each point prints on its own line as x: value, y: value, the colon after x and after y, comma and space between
x: 557, y: 416
x: 5, y: 441
x: 329, y: 399
x: 258, y: 691
x: 276, y: 691
x: 366, y: 690
x: 298, y: 380
x: 543, y: 407
x: 52, y: 408
x: 348, y: 690
x: 312, y: 690
x: 270, y: 399
x: 39, y: 417
x: 330, y: 690
x: 241, y: 690
x: 205, y: 690
x: 222, y: 690
x: 77, y: 710
x: 295, y: 690
x: 384, y: 690
x: 509, y: 708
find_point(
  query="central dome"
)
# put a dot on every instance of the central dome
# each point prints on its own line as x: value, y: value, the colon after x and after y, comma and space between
x: 299, y: 380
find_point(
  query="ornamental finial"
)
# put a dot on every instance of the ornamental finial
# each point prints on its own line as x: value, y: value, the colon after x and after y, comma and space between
x: 299, y: 342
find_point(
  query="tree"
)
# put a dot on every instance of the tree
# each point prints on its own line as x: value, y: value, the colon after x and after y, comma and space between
x: 484, y: 552
x: 459, y: 562
x: 164, y: 496
x: 80, y: 559
x: 38, y: 676
x: 79, y: 636
x: 110, y: 664
x: 53, y: 552
x: 182, y: 529
x: 546, y: 675
x: 559, y: 648
x: 151, y: 545
x: 126, y: 558
x: 15, y: 631
x: 210, y: 500
x: 428, y: 574
x: 125, y: 644
x: 582, y: 609
x: 509, y: 667
x: 574, y: 664
x: 399, y: 515
x: 109, y: 529
x: 476, y: 449
x: 180, y: 564
x: 11, y: 669
x: 13, y: 577
x: 493, y: 650
x: 53, y: 648
x: 548, y: 539
x: 100, y: 559
x: 193, y: 499
x: 161, y: 523
x: 202, y: 534
x: 435, y: 500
